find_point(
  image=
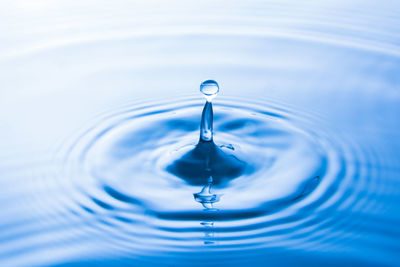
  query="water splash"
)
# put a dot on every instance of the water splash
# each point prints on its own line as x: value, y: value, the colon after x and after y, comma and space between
x: 207, y: 159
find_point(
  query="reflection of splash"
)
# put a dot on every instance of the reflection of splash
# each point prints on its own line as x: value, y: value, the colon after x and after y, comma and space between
x: 208, y: 233
x: 207, y: 199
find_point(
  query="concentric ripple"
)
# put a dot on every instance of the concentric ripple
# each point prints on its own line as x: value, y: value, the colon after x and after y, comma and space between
x: 298, y: 190
x: 307, y: 191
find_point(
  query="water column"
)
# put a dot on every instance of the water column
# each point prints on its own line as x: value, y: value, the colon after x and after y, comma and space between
x: 210, y: 90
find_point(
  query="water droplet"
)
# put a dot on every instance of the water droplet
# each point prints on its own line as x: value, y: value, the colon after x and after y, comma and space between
x: 210, y: 89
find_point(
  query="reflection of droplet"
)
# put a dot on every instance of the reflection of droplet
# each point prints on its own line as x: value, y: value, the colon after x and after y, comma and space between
x: 207, y: 224
x: 206, y: 197
x: 210, y: 89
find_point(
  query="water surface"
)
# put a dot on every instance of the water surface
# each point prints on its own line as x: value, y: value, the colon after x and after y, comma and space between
x: 99, y: 100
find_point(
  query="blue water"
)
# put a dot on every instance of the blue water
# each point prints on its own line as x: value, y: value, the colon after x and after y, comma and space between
x: 100, y: 115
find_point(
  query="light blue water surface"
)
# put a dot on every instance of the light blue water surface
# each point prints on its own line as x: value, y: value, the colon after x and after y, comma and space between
x: 99, y: 99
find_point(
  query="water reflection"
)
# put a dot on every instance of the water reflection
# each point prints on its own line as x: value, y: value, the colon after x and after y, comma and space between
x: 207, y: 199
